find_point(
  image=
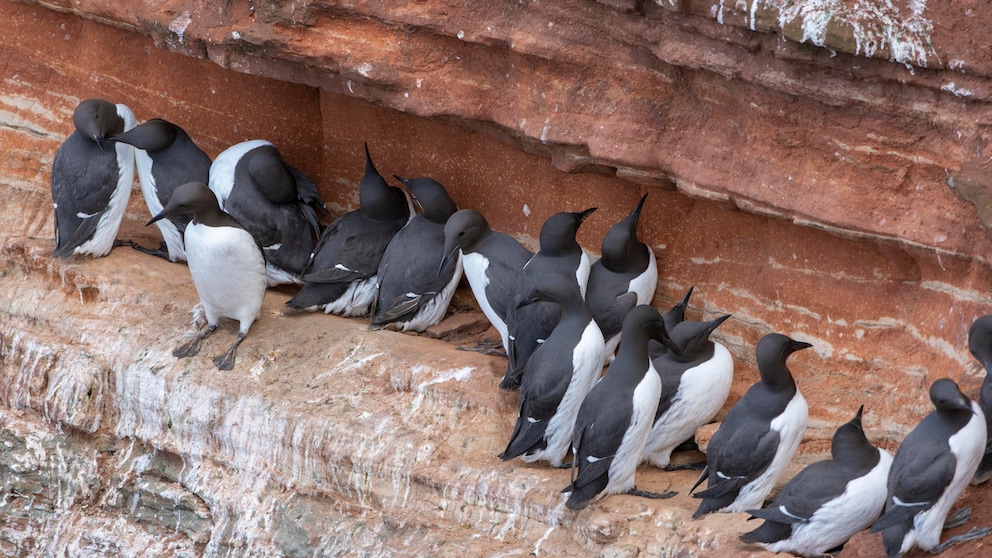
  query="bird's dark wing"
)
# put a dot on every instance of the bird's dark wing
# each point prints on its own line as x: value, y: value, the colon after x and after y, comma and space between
x: 806, y: 492
x: 84, y: 178
x: 343, y: 256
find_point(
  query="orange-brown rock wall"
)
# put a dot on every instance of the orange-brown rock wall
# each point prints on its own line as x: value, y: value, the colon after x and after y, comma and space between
x: 884, y: 272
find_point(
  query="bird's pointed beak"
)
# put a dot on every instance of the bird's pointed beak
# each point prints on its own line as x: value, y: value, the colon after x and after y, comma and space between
x: 713, y: 324
x: 444, y: 260
x: 156, y: 218
x: 661, y: 336
x: 585, y: 214
x: 636, y: 213
x: 857, y: 417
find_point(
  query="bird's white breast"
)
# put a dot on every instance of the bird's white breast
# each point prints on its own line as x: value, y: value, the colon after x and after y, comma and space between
x: 702, y: 392
x: 228, y: 271
x: 645, y: 404
x: 587, y: 363
x: 968, y: 446
x: 839, y: 519
x: 476, y: 266
x: 646, y: 283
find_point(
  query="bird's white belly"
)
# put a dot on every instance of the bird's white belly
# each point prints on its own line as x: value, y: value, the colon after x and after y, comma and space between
x: 624, y: 465
x: 228, y: 272
x: 475, y: 266
x: 702, y: 393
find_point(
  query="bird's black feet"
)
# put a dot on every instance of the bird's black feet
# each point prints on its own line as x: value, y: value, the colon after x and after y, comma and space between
x: 975, y: 533
x: 510, y: 383
x: 226, y: 362
x: 188, y: 349
x: 958, y: 519
x: 487, y: 346
x: 698, y: 466
x: 192, y: 347
x: 162, y: 251
x: 688, y: 445
x: 653, y: 495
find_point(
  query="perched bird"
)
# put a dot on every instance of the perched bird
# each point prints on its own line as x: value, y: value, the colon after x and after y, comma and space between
x: 341, y: 276
x: 166, y: 158
x: 930, y: 470
x: 626, y: 275
x: 412, y: 294
x: 92, y: 177
x: 527, y: 326
x: 615, y: 418
x: 828, y: 501
x: 274, y: 202
x: 492, y: 262
x: 225, y: 262
x: 557, y: 376
x: 695, y: 383
x: 758, y: 436
x: 980, y: 345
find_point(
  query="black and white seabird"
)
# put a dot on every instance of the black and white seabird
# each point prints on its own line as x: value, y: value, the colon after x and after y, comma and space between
x: 492, y: 262
x: 980, y: 345
x: 225, y: 262
x: 828, y: 501
x: 412, y: 293
x: 166, y: 158
x: 695, y: 383
x: 557, y: 376
x: 624, y: 276
x: 92, y: 176
x: 341, y: 276
x: 758, y: 437
x: 615, y: 417
x: 528, y: 325
x: 932, y: 466
x: 275, y: 202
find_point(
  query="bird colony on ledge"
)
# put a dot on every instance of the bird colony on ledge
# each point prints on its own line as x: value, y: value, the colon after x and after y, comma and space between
x: 248, y: 221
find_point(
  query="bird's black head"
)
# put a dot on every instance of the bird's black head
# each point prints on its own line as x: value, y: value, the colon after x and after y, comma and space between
x: 850, y: 443
x: 980, y: 341
x: 622, y: 250
x: 677, y: 313
x: 947, y: 397
x: 463, y: 229
x: 558, y: 232
x: 433, y: 199
x: 553, y: 287
x: 692, y: 337
x: 377, y: 199
x: 153, y: 135
x: 193, y: 198
x: 97, y: 119
x: 772, y: 351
